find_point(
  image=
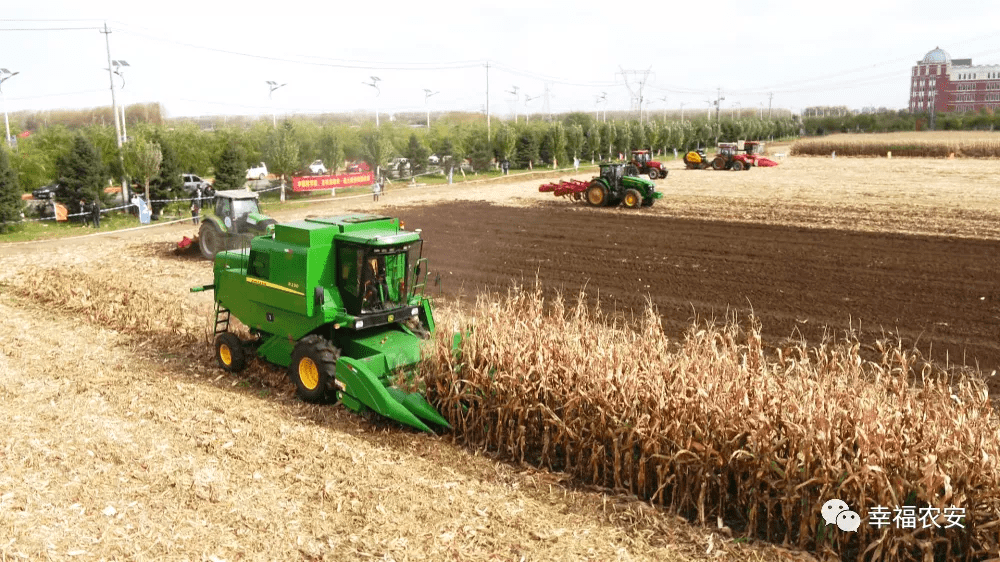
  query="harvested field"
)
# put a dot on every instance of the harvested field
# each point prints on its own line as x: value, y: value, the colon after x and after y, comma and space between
x: 127, y: 410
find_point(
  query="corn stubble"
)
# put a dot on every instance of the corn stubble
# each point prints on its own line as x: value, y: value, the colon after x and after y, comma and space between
x: 718, y: 426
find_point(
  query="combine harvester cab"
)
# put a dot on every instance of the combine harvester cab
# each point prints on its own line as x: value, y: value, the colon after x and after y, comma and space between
x: 337, y: 301
x: 611, y: 188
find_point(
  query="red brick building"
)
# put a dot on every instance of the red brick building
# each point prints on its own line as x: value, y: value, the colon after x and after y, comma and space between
x: 953, y: 84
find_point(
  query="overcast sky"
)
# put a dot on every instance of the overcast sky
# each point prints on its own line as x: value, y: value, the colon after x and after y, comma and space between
x: 212, y: 58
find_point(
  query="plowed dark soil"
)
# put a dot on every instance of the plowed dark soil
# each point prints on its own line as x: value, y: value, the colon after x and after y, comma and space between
x: 937, y: 292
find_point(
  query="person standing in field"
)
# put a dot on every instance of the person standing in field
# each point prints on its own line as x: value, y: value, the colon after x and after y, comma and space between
x: 196, y: 206
x: 95, y: 212
x: 376, y: 190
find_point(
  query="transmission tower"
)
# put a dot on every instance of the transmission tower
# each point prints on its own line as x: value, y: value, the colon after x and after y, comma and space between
x: 635, y: 88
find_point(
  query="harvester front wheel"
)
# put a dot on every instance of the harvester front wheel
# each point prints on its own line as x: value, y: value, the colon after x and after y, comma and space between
x: 737, y: 166
x: 633, y: 199
x: 313, y: 367
x: 209, y: 240
x: 229, y: 352
x: 597, y: 195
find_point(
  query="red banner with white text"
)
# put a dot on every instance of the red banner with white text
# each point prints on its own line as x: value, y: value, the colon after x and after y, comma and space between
x: 310, y: 183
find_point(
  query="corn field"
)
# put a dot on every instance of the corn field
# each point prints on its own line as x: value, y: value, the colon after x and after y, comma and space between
x: 908, y: 145
x: 718, y: 429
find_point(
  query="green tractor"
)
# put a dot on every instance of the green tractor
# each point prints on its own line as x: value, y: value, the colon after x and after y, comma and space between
x: 337, y: 301
x: 232, y: 221
x: 614, y: 186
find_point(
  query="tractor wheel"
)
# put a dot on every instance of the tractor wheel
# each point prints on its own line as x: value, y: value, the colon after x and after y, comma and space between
x: 648, y: 202
x: 737, y: 166
x: 633, y: 199
x: 229, y: 352
x: 210, y: 240
x: 653, y: 173
x: 597, y: 194
x: 313, y: 367
x: 261, y: 177
x: 719, y: 163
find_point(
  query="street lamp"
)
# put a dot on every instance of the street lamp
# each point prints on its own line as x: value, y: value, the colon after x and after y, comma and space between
x: 4, y: 76
x: 374, y: 84
x: 527, y: 98
x: 514, y: 91
x: 664, y: 99
x: 682, y: 111
x: 118, y: 65
x: 427, y: 94
x: 274, y: 86
x: 604, y: 98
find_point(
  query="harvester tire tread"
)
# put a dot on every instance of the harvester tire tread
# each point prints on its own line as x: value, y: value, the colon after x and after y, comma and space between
x: 230, y: 353
x: 314, y: 386
x: 737, y: 166
x: 632, y: 199
x: 719, y: 163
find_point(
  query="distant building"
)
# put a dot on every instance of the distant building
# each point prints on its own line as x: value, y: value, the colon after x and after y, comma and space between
x: 953, y: 84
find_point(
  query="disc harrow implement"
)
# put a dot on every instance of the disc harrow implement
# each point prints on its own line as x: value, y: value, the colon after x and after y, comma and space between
x: 572, y: 189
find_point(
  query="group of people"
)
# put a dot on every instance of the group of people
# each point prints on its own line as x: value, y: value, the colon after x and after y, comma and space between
x: 90, y: 212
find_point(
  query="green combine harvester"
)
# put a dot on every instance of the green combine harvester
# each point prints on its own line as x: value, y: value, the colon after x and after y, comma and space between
x: 338, y: 301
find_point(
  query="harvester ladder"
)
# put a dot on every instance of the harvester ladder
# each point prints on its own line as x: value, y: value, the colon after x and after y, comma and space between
x: 221, y: 318
x: 422, y: 282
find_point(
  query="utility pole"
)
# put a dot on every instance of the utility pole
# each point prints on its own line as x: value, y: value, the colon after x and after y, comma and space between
x: 545, y: 104
x: 514, y: 91
x: 664, y: 100
x: 682, y: 112
x: 604, y: 96
x: 527, y: 99
x: 769, y: 98
x: 427, y: 94
x: 114, y: 108
x: 374, y: 84
x: 4, y: 76
x: 637, y: 91
x: 489, y: 134
x: 274, y: 86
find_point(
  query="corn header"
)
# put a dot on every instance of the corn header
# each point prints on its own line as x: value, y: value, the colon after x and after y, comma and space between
x: 339, y: 302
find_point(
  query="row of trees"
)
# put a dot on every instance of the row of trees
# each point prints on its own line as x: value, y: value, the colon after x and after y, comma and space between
x: 157, y: 154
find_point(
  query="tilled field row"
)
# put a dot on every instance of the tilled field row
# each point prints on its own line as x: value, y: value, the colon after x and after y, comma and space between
x: 937, y: 292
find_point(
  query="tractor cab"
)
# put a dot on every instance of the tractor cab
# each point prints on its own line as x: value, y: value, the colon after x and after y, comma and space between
x: 727, y: 149
x: 641, y: 157
x: 378, y: 279
x: 612, y: 172
x: 237, y: 211
x: 753, y: 147
x: 234, y: 219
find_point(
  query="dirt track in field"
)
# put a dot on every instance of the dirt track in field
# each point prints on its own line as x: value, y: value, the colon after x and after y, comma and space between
x: 936, y: 291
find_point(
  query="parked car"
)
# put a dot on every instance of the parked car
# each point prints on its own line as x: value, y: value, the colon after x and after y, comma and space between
x: 257, y: 172
x: 355, y: 167
x: 317, y: 167
x: 46, y: 191
x: 433, y: 159
x: 192, y: 183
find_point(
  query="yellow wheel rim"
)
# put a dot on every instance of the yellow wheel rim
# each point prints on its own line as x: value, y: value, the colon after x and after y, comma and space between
x: 630, y: 200
x: 226, y: 355
x: 308, y: 373
x: 595, y: 196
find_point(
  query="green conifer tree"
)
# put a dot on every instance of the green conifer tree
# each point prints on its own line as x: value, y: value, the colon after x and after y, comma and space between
x: 10, y: 194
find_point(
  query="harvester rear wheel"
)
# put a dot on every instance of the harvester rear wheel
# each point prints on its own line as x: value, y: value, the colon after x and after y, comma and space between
x: 719, y: 163
x: 229, y: 352
x: 653, y: 173
x: 209, y: 240
x: 313, y: 368
x: 737, y: 166
x: 633, y: 199
x: 597, y: 194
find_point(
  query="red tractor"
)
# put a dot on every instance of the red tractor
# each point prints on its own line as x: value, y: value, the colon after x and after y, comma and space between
x: 644, y: 164
x: 731, y: 156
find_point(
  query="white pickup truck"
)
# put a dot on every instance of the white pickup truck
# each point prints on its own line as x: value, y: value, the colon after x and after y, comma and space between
x: 257, y: 172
